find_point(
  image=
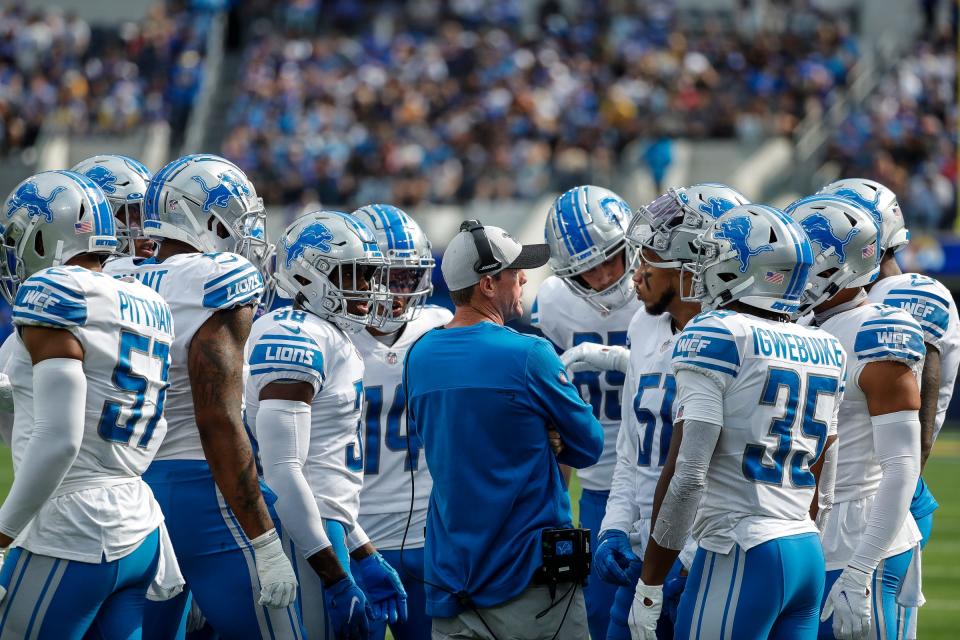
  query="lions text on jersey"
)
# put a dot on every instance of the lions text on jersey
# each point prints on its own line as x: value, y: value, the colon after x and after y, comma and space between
x: 294, y: 345
x: 781, y: 387
x: 646, y: 427
x: 567, y: 320
x: 869, y: 333
x: 932, y: 306
x: 196, y: 286
x: 102, y: 510
x: 388, y: 455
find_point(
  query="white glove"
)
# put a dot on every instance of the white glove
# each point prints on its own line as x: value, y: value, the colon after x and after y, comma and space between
x: 849, y: 603
x: 278, y: 584
x: 591, y: 356
x: 643, y: 616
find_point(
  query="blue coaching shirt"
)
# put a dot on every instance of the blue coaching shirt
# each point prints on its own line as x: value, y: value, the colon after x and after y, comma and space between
x: 481, y: 399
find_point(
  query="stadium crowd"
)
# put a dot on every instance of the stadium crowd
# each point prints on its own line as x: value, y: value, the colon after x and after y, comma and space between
x: 56, y: 70
x: 450, y: 102
x: 906, y: 136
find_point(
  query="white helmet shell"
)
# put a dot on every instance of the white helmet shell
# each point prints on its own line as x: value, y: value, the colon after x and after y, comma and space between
x: 124, y: 182
x: 880, y: 202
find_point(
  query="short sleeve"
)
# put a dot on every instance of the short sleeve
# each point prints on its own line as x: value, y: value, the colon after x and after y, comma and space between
x: 709, y: 346
x: 277, y: 354
x: 230, y: 281
x: 928, y: 302
x: 892, y: 336
x: 50, y: 298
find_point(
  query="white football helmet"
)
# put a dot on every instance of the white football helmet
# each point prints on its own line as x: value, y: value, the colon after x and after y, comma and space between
x: 410, y: 255
x: 880, y: 202
x: 124, y: 182
x: 845, y: 239
x: 207, y: 202
x: 669, y: 225
x: 755, y: 254
x: 48, y: 219
x: 330, y: 264
x: 585, y: 227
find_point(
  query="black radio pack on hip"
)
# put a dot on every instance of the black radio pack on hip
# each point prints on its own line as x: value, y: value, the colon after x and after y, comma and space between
x: 566, y: 557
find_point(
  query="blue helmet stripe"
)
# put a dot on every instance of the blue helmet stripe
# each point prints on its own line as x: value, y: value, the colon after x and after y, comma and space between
x: 137, y: 166
x: 561, y: 223
x: 798, y: 279
x: 387, y: 227
x: 151, y: 202
x: 102, y: 214
x: 569, y: 212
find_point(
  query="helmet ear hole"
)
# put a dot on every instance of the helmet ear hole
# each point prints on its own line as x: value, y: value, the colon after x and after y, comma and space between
x: 301, y: 280
x: 727, y: 276
x: 38, y: 243
x: 83, y: 211
x: 773, y: 235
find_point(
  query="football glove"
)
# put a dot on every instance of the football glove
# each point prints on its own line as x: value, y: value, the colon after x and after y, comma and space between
x: 385, y: 592
x: 645, y: 611
x: 613, y: 556
x: 590, y: 356
x: 278, y: 583
x: 347, y: 610
x: 849, y: 603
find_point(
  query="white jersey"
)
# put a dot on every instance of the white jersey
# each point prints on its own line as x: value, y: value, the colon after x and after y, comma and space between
x: 646, y: 427
x: 933, y: 307
x: 102, y: 509
x: 195, y: 285
x: 868, y: 333
x: 295, y: 345
x: 568, y: 320
x: 385, y: 497
x: 781, y: 387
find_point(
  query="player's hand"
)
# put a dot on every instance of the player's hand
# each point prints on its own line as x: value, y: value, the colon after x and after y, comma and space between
x: 556, y: 443
x: 590, y: 356
x: 645, y: 611
x: 613, y: 556
x: 278, y: 583
x: 849, y: 603
x: 385, y: 592
x: 347, y: 609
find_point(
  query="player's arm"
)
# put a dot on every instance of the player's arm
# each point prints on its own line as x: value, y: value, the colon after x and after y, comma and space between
x: 552, y: 392
x: 57, y: 432
x: 929, y: 398
x: 825, y: 474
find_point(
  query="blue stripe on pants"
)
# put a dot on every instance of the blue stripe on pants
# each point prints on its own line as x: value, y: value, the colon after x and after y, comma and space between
x: 888, y: 620
x: 598, y: 594
x: 69, y: 600
x: 771, y: 591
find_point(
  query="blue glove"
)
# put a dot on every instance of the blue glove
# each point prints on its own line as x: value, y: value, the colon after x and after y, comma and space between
x: 385, y: 592
x: 613, y: 556
x: 347, y: 609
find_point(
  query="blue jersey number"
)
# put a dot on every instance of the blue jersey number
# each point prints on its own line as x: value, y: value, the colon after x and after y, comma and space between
x: 355, y: 449
x: 754, y: 467
x: 145, y: 394
x: 393, y: 439
x: 648, y: 419
x: 289, y: 315
x: 606, y: 405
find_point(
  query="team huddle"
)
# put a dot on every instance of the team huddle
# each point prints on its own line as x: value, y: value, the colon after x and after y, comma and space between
x: 208, y: 428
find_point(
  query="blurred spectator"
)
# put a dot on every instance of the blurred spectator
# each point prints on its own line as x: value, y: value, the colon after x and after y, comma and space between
x: 906, y: 135
x: 461, y: 100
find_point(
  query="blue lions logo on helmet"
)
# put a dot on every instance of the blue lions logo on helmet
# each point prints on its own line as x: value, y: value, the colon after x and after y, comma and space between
x: 104, y: 178
x: 736, y: 231
x: 718, y: 207
x: 314, y: 235
x: 28, y: 197
x: 820, y: 230
x: 230, y: 186
x: 614, y: 209
x: 873, y: 206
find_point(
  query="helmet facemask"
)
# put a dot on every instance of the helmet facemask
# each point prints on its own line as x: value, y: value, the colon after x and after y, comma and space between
x: 408, y: 288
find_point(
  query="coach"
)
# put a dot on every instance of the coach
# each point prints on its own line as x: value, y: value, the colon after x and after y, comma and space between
x: 483, y: 398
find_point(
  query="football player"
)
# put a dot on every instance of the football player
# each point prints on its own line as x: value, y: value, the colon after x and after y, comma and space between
x: 303, y: 397
x: 869, y: 533
x: 210, y: 224
x: 390, y: 458
x: 756, y: 399
x: 590, y: 298
x: 124, y: 181
x: 89, y: 366
x: 933, y: 307
x: 663, y: 232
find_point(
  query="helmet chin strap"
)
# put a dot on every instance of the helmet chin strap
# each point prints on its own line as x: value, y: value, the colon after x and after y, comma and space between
x: 58, y: 253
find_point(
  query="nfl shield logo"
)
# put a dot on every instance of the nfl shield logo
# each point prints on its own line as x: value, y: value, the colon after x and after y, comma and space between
x: 391, y: 358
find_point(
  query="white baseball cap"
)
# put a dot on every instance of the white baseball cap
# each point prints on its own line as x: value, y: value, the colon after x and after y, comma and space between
x: 479, y: 251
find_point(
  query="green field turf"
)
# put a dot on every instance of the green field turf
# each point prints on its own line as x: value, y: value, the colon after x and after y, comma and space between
x: 940, y: 618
